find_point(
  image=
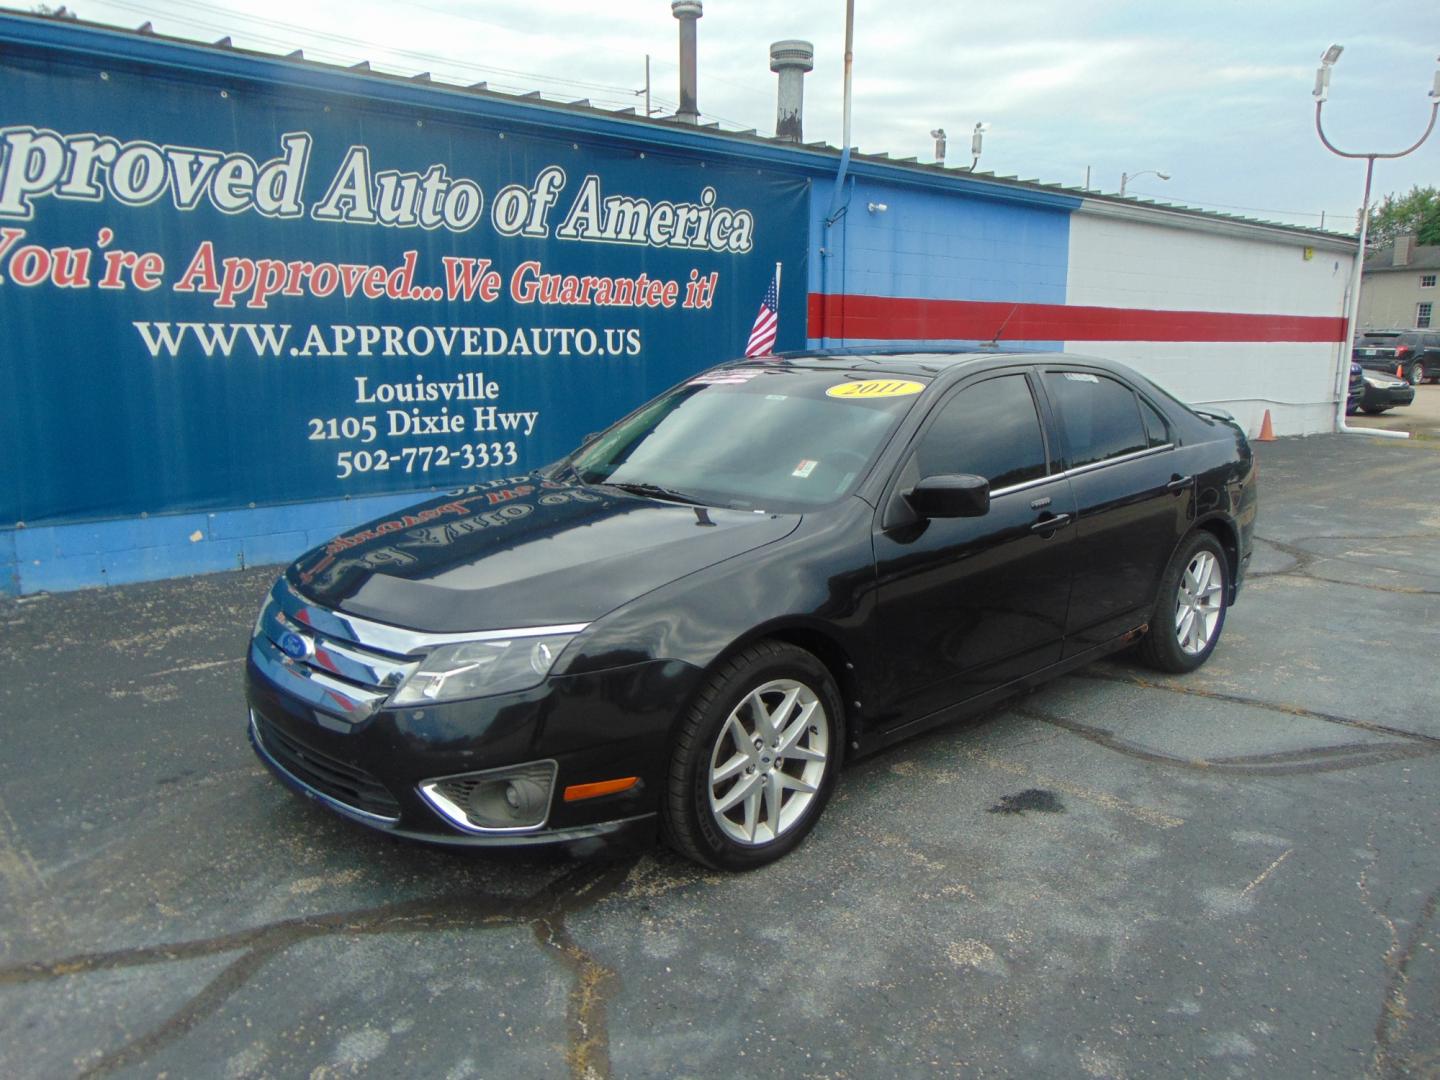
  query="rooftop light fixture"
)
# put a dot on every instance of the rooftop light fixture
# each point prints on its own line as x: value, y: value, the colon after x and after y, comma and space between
x: 1125, y: 178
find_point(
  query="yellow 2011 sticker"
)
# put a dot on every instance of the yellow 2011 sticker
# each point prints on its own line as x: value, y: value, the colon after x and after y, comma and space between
x: 875, y: 388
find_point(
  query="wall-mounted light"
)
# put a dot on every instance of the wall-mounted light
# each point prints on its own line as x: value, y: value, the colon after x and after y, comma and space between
x: 876, y: 207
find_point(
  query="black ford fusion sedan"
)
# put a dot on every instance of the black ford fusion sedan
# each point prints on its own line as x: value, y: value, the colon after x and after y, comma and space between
x: 692, y: 621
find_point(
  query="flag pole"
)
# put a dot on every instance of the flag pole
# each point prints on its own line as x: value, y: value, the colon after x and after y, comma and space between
x: 777, y: 295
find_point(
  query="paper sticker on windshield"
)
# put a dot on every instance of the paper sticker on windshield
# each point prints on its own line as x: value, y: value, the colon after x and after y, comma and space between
x: 805, y: 468
x: 1079, y: 376
x: 875, y: 388
x: 728, y: 377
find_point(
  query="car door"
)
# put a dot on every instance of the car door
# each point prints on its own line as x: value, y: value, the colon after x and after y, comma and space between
x: 969, y: 604
x: 1132, y: 503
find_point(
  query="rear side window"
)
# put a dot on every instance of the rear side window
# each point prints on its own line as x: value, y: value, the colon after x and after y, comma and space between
x: 1101, y: 417
x: 1157, y: 431
x: 990, y: 429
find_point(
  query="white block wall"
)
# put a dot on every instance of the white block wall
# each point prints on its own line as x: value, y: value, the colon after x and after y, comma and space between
x: 1148, y: 264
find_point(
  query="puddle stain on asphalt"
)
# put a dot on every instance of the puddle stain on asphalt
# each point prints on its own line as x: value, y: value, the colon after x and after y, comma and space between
x: 545, y: 910
x: 1037, y: 799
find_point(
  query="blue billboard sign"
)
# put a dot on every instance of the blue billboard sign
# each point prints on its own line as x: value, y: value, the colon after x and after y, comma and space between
x: 215, y: 296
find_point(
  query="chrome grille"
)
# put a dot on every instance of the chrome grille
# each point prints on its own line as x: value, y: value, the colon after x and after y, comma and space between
x: 324, y: 658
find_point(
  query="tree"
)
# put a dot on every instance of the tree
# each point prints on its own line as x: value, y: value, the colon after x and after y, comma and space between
x: 1417, y: 212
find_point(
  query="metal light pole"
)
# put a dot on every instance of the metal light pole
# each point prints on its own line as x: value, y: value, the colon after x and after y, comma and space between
x: 1322, y: 94
x: 1125, y: 178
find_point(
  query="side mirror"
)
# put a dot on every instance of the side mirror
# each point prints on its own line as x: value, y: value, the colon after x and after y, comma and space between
x: 951, y: 496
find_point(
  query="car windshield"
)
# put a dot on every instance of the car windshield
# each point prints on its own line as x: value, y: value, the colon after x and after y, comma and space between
x: 753, y: 437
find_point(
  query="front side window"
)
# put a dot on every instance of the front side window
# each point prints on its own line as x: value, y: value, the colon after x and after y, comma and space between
x: 1100, y: 415
x: 990, y: 429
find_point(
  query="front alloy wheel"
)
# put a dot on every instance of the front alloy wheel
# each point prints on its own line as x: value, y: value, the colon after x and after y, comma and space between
x: 768, y: 761
x: 755, y: 758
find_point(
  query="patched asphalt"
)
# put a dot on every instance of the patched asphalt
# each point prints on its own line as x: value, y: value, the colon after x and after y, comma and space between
x: 1230, y: 873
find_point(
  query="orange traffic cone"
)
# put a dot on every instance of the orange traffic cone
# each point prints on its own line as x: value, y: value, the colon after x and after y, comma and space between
x: 1267, y: 433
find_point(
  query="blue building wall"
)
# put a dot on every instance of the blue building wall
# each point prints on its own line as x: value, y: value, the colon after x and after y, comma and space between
x: 56, y: 558
x: 942, y: 237
x: 929, y: 244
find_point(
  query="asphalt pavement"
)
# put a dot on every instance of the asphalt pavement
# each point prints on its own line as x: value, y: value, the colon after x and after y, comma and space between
x: 1234, y: 873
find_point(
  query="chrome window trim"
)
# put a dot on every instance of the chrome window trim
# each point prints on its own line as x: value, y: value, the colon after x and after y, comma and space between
x: 1082, y: 469
x: 1028, y: 484
x: 401, y: 642
x: 1134, y: 455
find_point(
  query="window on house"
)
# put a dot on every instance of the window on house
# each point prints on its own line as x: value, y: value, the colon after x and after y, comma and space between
x: 1427, y: 281
x: 1422, y: 315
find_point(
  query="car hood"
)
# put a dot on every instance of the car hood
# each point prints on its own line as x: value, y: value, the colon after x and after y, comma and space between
x: 522, y: 552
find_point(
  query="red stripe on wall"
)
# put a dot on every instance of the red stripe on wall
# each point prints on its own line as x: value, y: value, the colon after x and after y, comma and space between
x: 897, y: 318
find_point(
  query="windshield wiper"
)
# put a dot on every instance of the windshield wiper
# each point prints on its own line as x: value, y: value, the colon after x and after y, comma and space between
x: 654, y: 491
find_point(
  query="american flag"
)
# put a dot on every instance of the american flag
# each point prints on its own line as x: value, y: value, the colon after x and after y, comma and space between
x: 762, y: 334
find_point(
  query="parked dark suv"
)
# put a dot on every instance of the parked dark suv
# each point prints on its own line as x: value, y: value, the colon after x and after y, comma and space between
x: 1412, y: 355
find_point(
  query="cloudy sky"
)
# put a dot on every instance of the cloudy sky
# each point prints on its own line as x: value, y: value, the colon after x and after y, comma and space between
x: 1216, y: 94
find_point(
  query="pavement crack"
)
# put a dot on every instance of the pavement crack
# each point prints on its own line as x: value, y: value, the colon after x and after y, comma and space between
x: 588, y: 1051
x: 1394, y: 1004
x: 574, y: 890
x: 1272, y: 706
x: 1267, y: 872
x: 1304, y: 560
x: 1306, y: 760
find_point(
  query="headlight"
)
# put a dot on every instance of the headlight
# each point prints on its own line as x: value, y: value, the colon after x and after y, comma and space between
x: 474, y: 668
x: 1380, y: 382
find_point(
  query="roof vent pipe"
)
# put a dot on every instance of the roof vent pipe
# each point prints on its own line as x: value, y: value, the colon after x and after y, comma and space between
x: 791, y: 60
x: 688, y: 12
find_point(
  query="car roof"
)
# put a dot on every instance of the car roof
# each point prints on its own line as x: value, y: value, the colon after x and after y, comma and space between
x: 927, y: 362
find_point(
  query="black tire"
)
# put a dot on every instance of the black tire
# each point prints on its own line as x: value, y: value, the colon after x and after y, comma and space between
x: 690, y: 821
x: 1161, y: 648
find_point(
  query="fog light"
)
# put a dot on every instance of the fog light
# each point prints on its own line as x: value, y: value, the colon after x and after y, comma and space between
x: 511, y: 799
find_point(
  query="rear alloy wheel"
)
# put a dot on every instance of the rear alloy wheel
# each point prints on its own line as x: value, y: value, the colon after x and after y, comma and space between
x: 1190, y: 609
x: 755, y: 759
x: 1415, y: 373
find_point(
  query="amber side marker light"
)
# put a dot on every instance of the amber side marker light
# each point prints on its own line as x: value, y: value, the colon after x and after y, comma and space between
x: 576, y: 792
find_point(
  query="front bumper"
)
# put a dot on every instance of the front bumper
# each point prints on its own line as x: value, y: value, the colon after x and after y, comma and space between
x: 596, y: 727
x: 1387, y: 397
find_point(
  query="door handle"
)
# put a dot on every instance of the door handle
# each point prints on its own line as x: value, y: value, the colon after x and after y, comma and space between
x: 1179, y: 483
x: 1050, y: 524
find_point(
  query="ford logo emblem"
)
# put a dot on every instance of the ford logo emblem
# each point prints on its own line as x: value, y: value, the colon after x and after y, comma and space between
x: 295, y: 646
